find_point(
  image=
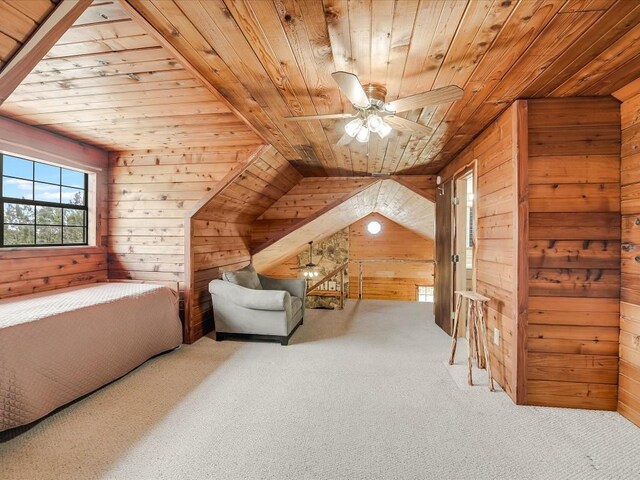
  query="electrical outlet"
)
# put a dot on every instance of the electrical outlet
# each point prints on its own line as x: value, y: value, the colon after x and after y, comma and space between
x: 496, y: 336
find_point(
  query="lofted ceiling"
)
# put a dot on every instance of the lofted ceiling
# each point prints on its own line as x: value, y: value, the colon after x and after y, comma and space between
x: 387, y: 197
x: 141, y: 74
x: 273, y: 58
x: 108, y: 82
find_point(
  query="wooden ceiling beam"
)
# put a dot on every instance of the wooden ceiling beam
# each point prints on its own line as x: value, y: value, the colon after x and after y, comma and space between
x: 37, y: 46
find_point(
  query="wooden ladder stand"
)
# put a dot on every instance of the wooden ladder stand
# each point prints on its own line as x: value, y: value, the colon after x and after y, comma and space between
x: 476, y: 333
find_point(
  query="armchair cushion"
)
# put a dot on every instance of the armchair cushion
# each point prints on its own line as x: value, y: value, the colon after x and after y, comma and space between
x: 245, y: 277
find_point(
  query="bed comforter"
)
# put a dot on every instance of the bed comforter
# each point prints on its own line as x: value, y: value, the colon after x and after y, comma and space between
x: 58, y: 346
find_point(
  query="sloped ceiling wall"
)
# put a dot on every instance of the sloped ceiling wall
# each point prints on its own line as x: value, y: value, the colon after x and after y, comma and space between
x: 273, y: 59
x: 108, y: 82
x: 387, y: 197
x: 18, y: 21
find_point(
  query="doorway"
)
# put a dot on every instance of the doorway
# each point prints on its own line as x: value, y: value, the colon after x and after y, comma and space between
x: 463, y: 257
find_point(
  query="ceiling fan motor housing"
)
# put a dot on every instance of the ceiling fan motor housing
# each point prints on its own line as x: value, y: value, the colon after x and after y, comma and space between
x: 376, y: 94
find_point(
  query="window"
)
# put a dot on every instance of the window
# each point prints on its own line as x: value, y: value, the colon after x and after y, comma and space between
x: 42, y: 204
x: 425, y: 294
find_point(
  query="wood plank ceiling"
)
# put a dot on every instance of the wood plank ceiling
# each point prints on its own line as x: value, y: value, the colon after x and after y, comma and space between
x: 18, y: 21
x: 387, y: 197
x: 109, y: 83
x: 273, y: 58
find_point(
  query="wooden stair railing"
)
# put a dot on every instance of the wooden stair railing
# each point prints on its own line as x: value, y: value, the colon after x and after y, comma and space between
x: 339, y: 270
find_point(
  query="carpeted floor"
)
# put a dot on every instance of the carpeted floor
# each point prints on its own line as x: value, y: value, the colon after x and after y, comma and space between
x: 363, y: 393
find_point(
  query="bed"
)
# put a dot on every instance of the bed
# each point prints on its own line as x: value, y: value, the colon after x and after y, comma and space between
x: 58, y: 346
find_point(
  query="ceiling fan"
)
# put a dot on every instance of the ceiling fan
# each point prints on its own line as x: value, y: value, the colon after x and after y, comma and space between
x: 373, y: 115
x: 310, y: 268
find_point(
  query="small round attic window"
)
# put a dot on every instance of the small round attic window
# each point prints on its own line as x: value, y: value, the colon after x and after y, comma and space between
x: 374, y: 227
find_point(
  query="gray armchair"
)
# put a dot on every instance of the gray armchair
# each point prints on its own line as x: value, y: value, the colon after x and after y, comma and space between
x: 250, y: 306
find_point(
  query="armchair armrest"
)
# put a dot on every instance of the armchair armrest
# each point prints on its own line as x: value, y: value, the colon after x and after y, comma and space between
x: 297, y: 287
x: 252, y: 299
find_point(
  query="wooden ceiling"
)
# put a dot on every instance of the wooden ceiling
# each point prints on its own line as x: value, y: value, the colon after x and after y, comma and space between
x: 273, y: 58
x: 140, y: 74
x: 387, y: 197
x: 108, y: 82
x: 18, y: 21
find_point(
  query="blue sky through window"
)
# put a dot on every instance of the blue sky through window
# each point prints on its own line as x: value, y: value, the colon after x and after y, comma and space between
x: 47, y: 193
x: 47, y: 173
x: 71, y: 178
x: 17, y: 167
x: 16, y: 188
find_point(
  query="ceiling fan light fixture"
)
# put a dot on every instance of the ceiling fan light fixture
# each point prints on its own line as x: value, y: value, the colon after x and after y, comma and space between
x: 353, y: 127
x: 374, y: 122
x: 363, y: 135
x: 384, y: 130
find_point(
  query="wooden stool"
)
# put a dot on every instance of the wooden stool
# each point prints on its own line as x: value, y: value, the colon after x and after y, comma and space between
x: 476, y: 333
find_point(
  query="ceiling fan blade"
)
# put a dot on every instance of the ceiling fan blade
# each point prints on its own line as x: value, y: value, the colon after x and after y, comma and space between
x: 407, y: 125
x: 344, y: 140
x: 350, y: 85
x: 446, y: 94
x: 321, y: 117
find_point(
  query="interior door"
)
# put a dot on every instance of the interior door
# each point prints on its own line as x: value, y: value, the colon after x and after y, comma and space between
x: 444, y: 271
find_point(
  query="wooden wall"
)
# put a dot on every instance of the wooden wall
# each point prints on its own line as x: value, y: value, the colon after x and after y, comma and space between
x: 29, y: 270
x: 495, y: 153
x: 387, y: 280
x: 150, y: 192
x: 629, y: 379
x: 573, y: 252
x: 219, y: 230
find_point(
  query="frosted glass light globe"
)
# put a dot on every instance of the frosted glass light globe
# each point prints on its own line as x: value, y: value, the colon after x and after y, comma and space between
x: 374, y: 227
x: 363, y: 135
x: 353, y: 127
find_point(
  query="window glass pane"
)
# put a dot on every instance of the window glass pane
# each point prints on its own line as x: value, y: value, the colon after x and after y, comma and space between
x: 71, y: 178
x: 47, y: 235
x: 47, y: 173
x: 16, y: 188
x: 50, y: 189
x: 17, y: 167
x: 48, y: 216
x: 73, y: 235
x: 18, y: 234
x: 47, y: 193
x: 72, y: 196
x: 74, y: 217
x: 15, y: 213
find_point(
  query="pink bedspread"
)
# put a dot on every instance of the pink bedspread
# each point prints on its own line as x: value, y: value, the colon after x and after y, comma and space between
x: 58, y: 346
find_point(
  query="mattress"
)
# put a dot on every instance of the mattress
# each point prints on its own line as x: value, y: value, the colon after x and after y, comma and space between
x: 58, y: 346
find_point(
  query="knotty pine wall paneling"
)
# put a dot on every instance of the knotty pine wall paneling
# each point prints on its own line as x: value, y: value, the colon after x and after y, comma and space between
x: 495, y: 155
x: 150, y: 192
x: 574, y: 252
x: 629, y: 349
x: 219, y: 230
x: 389, y: 280
x: 29, y: 270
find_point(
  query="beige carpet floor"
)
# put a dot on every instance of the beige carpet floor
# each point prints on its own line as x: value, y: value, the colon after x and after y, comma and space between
x: 363, y: 393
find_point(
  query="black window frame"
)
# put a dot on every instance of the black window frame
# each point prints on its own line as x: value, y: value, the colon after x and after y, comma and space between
x: 40, y: 203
